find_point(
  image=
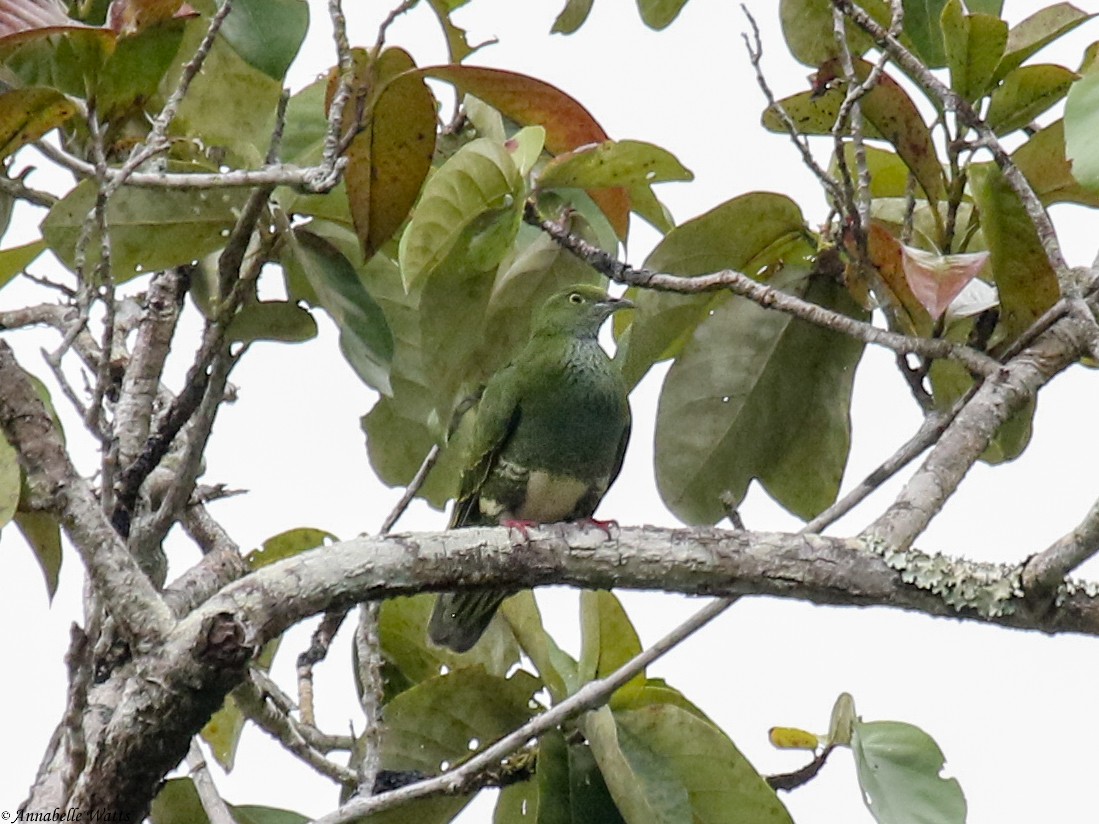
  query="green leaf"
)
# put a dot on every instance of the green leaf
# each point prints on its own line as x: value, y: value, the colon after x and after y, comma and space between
x: 993, y: 7
x: 890, y: 115
x: 807, y: 28
x: 276, y: 320
x: 532, y: 102
x: 556, y: 667
x: 768, y: 397
x: 974, y: 45
x: 288, y: 544
x: 16, y: 259
x: 568, y: 787
x: 1038, y: 30
x: 149, y: 229
x: 10, y: 481
x: 42, y: 533
x: 134, y: 70
x: 526, y: 147
x: 1042, y: 161
x: 1026, y: 93
x: 457, y: 43
x: 267, y: 33
x: 922, y: 24
x: 391, y: 155
x: 474, y: 197
x: 608, y: 639
x: 664, y: 765
x: 899, y: 768
x: 1024, y: 278
x: 229, y: 104
x: 572, y: 17
x: 253, y: 814
x: 658, y: 14
x: 402, y: 628
x: 748, y: 233
x: 178, y: 803
x: 612, y: 163
x: 27, y: 114
x: 365, y: 338
x: 1081, y: 122
x: 445, y: 719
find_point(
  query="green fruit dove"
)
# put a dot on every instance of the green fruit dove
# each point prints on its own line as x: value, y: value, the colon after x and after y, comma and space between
x: 548, y: 440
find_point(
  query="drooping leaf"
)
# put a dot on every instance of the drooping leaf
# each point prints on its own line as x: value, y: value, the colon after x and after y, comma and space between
x: 1023, y: 275
x: 229, y: 104
x: 267, y: 33
x: 568, y: 788
x: 16, y: 259
x: 748, y: 234
x: 608, y: 638
x: 473, y: 199
x: 558, y: 670
x: 899, y: 768
x: 529, y: 102
x: 904, y: 311
x: 1026, y: 93
x: 659, y: 14
x: 1042, y: 161
x: 572, y: 16
x: 149, y: 229
x: 936, y: 280
x: 758, y: 394
x: 1040, y: 29
x: 612, y: 163
x: 275, y: 320
x: 402, y: 630
x: 974, y: 45
x: 42, y: 533
x: 27, y: 114
x: 922, y: 23
x: 365, y: 339
x: 890, y: 115
x: 390, y: 157
x: 664, y: 765
x: 1081, y: 121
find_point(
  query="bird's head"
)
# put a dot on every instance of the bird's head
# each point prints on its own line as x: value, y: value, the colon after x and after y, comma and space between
x: 579, y: 310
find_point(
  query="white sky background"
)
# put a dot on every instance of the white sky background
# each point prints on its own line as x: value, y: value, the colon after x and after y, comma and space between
x: 1014, y: 712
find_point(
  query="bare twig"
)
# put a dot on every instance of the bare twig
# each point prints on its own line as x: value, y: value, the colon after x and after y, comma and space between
x: 371, y: 695
x: 212, y: 803
x: 797, y: 778
x: 1045, y: 571
x: 766, y: 296
x: 411, y: 490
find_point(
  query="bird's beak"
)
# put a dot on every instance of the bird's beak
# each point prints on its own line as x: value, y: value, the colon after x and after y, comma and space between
x: 614, y: 304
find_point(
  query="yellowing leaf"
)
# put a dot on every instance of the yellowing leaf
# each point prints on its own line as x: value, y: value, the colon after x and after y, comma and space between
x: 791, y: 738
x: 27, y: 114
x: 612, y: 163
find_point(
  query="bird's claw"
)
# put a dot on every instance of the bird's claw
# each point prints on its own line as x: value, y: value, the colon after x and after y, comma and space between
x: 605, y: 526
x: 521, y: 526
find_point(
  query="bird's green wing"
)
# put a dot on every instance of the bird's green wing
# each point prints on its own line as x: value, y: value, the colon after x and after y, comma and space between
x: 497, y: 417
x: 621, y: 453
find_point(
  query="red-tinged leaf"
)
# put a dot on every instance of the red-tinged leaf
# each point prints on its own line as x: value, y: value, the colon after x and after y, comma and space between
x: 17, y: 16
x: 390, y: 158
x: 132, y: 16
x: 27, y: 114
x: 937, y: 279
x: 529, y: 101
x: 904, y: 311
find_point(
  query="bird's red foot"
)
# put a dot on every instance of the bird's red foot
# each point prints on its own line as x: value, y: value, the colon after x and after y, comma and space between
x: 521, y: 526
x: 606, y: 526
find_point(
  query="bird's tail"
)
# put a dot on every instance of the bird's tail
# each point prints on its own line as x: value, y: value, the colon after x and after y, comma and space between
x: 461, y: 618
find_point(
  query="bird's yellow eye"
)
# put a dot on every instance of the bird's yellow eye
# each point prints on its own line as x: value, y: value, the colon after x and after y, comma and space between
x: 576, y: 297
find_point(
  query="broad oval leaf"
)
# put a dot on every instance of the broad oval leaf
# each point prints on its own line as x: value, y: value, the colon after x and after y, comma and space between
x: 275, y: 320
x: 390, y: 157
x: 16, y: 259
x: 365, y: 338
x: 1081, y: 125
x: 529, y: 102
x: 1026, y: 93
x: 1036, y: 31
x: 1026, y: 282
x: 42, y: 532
x: 288, y: 544
x: 899, y: 768
x: 974, y: 45
x: 748, y: 233
x: 27, y: 114
x: 807, y: 28
x: 664, y: 765
x: 1043, y: 162
x: 572, y: 16
x: 150, y: 229
x: 474, y: 196
x: 659, y: 14
x: 612, y: 163
x: 758, y: 394
x: 607, y: 638
x: 267, y: 33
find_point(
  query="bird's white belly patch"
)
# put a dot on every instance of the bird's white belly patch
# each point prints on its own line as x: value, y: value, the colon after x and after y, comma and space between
x: 551, y: 498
